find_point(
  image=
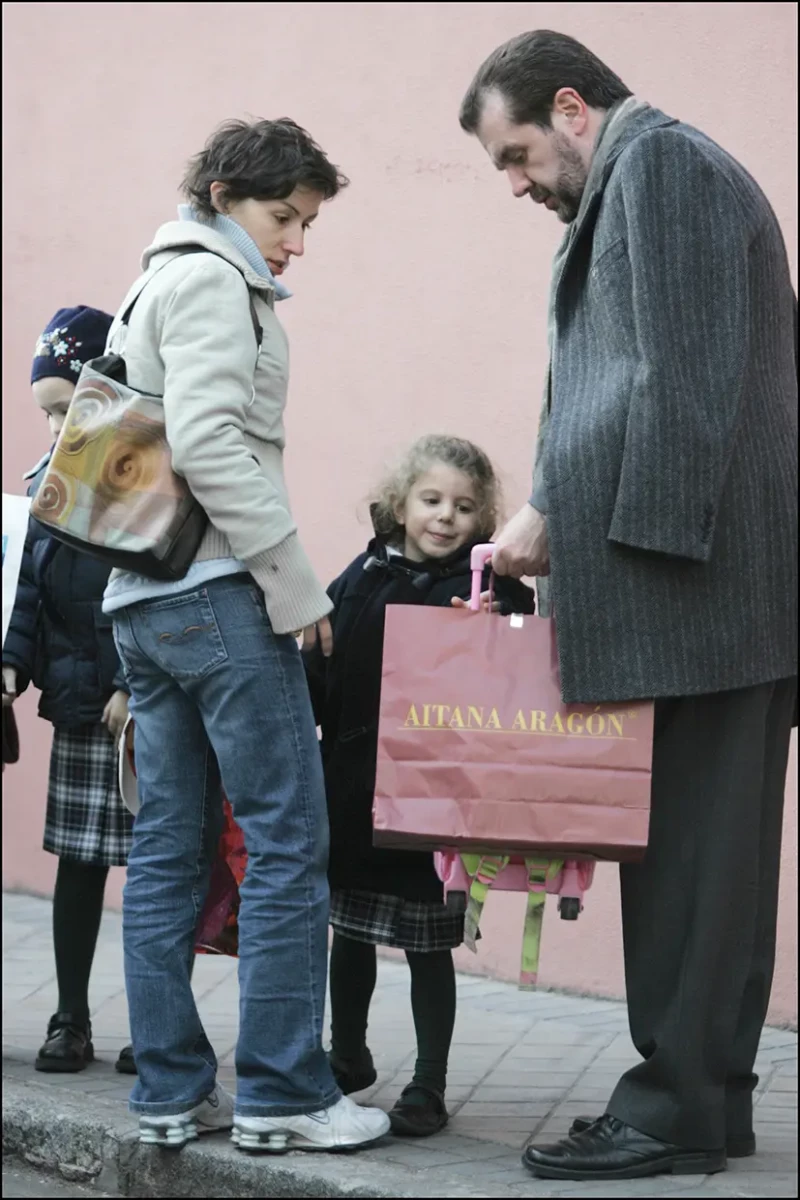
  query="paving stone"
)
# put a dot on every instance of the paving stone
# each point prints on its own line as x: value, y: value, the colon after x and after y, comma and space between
x: 555, y: 1077
x: 775, y: 1098
x: 511, y: 1139
x: 560, y: 1048
x: 559, y: 1033
x: 529, y: 1097
x: 767, y: 1113
x: 419, y: 1156
x: 772, y: 1158
x: 583, y: 1054
x: 690, y: 1185
x: 783, y: 1083
x: 468, y: 1151
x: 590, y: 1097
x: 471, y: 1116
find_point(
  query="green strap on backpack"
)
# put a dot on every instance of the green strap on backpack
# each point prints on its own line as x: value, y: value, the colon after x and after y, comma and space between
x: 483, y: 870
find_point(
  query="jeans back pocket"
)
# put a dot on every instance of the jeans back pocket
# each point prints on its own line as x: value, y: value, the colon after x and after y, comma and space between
x: 181, y: 635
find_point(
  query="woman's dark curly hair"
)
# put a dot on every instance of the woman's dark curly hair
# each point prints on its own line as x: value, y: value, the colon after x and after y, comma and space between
x: 260, y: 160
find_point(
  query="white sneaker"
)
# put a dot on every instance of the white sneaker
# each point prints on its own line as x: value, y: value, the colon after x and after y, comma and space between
x: 209, y: 1116
x: 344, y: 1126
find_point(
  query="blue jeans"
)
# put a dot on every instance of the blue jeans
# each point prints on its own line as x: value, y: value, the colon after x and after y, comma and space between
x: 215, y: 691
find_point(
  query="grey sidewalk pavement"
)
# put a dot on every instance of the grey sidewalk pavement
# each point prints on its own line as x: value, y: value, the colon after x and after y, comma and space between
x: 521, y: 1063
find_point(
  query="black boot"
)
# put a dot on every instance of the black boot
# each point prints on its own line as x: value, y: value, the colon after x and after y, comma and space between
x: 126, y: 1063
x: 353, y: 1075
x: 68, y: 1046
x: 420, y: 1112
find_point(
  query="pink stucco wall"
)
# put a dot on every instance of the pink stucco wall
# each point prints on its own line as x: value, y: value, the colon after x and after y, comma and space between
x: 420, y: 304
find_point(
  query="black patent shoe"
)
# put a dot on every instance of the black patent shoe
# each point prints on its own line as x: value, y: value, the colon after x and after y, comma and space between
x: 68, y: 1046
x: 737, y: 1146
x: 421, y: 1117
x: 126, y: 1063
x: 610, y: 1149
x: 353, y: 1074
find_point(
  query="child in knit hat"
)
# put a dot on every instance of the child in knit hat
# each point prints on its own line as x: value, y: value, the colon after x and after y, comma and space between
x: 59, y: 640
x: 71, y: 338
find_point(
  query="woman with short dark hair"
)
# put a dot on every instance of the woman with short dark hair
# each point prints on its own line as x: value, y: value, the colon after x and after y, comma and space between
x: 218, y: 692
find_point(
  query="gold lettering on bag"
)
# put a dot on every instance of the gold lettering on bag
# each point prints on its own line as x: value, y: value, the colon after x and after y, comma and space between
x: 537, y: 722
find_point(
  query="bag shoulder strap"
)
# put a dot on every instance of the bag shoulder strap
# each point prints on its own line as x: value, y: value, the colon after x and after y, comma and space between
x: 257, y: 330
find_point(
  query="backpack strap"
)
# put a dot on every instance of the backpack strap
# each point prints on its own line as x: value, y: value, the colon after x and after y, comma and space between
x: 483, y: 869
x: 540, y: 871
x: 126, y: 316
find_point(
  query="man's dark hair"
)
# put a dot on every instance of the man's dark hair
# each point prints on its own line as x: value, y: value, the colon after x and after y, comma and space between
x: 262, y: 160
x: 530, y: 69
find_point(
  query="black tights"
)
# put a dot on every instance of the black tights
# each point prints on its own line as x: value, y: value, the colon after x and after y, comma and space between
x: 77, y: 909
x: 353, y: 975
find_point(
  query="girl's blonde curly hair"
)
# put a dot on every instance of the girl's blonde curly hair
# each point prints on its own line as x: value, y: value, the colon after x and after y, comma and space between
x: 437, y: 448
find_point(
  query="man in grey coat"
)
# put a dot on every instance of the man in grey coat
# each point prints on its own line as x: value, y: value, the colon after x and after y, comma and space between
x: 664, y: 510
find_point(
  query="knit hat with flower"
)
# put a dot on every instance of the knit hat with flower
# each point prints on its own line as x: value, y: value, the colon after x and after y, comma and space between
x: 74, y: 336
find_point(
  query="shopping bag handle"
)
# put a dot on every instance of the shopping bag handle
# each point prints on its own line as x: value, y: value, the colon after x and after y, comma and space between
x: 477, y: 561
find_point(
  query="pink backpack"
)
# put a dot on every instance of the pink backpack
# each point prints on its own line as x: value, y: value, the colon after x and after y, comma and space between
x: 467, y: 879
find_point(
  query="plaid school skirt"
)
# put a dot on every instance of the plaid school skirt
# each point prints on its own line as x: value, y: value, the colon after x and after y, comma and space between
x: 86, y: 819
x: 416, y: 925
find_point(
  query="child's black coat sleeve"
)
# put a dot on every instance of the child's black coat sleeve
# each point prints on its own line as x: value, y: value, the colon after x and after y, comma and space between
x: 19, y: 650
x: 315, y: 662
x: 514, y: 596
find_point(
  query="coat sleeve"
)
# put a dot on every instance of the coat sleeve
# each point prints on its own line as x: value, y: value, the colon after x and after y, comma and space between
x: 538, y: 497
x: 120, y: 682
x: 315, y: 662
x: 19, y: 648
x: 514, y: 596
x: 316, y: 668
x: 687, y: 243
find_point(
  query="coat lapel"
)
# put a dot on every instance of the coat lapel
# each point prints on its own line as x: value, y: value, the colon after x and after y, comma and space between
x: 640, y: 121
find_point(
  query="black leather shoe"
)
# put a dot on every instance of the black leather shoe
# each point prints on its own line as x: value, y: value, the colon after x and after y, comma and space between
x: 68, y: 1046
x: 353, y: 1075
x: 610, y: 1149
x: 420, y: 1112
x: 737, y: 1146
x: 126, y: 1063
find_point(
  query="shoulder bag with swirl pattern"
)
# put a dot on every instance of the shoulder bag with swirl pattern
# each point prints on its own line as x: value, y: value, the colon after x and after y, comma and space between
x: 110, y: 489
